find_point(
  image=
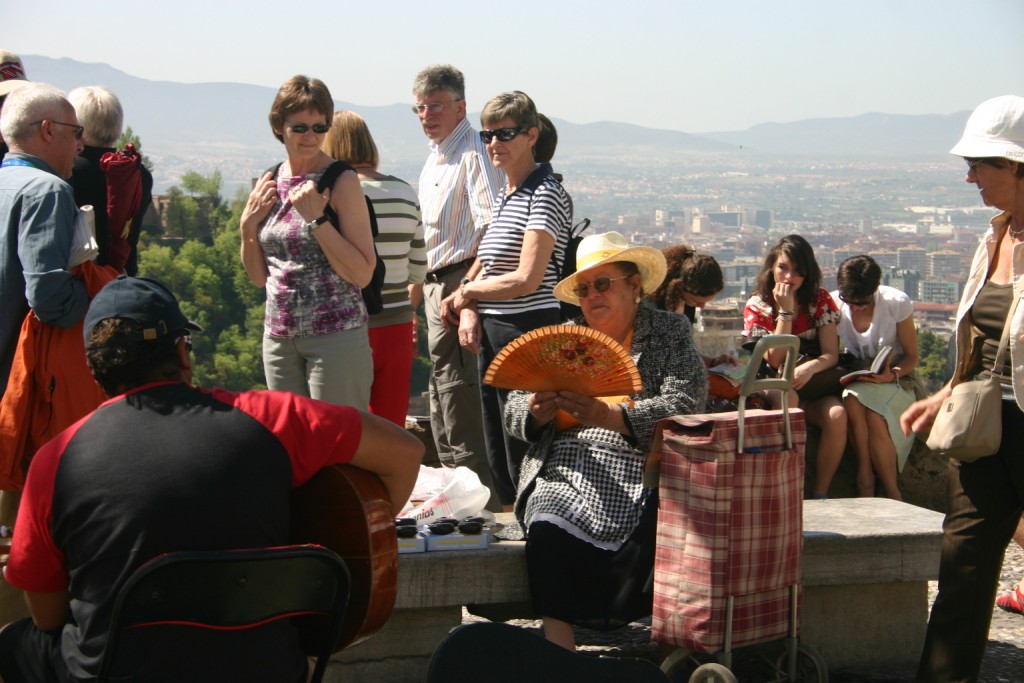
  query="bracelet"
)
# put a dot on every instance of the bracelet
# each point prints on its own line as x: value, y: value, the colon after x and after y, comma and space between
x: 785, y: 314
x: 895, y: 375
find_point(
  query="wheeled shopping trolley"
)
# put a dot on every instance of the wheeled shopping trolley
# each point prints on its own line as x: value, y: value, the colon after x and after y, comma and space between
x: 730, y: 535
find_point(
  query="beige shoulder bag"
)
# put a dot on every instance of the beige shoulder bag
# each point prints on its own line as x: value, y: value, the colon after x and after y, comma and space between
x: 969, y: 425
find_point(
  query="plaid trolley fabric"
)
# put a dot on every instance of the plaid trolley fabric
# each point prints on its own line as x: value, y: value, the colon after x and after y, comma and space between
x: 729, y: 525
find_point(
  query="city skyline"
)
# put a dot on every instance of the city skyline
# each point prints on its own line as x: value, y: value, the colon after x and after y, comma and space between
x: 686, y: 66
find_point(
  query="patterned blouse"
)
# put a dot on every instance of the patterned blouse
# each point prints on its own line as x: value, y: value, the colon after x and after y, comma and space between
x: 589, y: 480
x: 305, y: 296
x: 759, y: 319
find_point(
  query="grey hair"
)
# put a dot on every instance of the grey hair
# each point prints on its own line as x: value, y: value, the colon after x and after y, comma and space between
x: 99, y: 112
x: 28, y: 104
x: 440, y: 77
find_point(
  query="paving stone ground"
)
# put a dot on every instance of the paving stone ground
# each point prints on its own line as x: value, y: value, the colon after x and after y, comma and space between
x: 1003, y: 663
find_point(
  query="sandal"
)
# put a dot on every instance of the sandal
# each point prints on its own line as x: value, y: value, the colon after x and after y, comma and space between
x: 1012, y: 602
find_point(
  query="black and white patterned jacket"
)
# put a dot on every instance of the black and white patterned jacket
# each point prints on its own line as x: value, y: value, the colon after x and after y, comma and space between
x: 674, y: 382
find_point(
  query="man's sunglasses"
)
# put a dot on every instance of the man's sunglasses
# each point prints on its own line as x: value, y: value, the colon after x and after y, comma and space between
x: 601, y: 284
x: 301, y: 128
x: 503, y: 134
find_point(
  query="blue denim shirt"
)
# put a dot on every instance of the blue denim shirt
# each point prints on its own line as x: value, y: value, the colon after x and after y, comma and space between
x: 37, y: 222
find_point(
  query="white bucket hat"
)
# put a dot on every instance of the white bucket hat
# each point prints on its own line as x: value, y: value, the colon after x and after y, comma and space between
x: 596, y: 250
x: 994, y: 129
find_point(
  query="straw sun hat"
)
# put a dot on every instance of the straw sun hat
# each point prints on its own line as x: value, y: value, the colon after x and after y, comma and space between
x: 608, y: 247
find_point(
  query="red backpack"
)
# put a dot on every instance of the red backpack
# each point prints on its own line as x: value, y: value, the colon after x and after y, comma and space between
x: 124, y: 197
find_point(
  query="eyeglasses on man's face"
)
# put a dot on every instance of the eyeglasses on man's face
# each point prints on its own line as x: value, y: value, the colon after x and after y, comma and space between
x: 79, y: 130
x: 503, y: 134
x: 301, y: 128
x: 601, y: 284
x: 432, y: 107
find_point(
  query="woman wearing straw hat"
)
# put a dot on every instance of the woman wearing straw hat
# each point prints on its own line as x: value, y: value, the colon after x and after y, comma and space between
x: 986, y: 497
x: 589, y: 518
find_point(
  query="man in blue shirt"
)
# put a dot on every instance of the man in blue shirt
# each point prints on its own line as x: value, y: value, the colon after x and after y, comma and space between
x: 37, y: 215
x: 37, y: 221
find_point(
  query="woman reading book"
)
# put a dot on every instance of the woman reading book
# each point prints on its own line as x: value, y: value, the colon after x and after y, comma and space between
x: 875, y: 316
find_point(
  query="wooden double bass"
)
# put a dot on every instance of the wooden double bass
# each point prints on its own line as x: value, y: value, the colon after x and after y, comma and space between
x: 347, y: 509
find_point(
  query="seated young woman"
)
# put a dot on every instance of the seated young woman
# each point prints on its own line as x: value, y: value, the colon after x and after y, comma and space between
x: 789, y: 299
x: 874, y: 316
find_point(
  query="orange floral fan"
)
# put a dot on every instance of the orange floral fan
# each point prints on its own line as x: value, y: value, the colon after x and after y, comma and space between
x: 565, y: 358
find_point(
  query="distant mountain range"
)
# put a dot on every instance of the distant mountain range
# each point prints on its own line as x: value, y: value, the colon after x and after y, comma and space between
x: 226, y: 124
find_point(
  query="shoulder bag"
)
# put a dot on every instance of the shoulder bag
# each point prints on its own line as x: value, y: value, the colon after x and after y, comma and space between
x: 969, y: 425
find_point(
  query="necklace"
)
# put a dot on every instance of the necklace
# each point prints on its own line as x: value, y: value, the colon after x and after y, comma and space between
x: 1016, y: 234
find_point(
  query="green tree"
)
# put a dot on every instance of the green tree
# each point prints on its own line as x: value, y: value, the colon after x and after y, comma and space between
x: 208, y: 278
x: 934, y: 351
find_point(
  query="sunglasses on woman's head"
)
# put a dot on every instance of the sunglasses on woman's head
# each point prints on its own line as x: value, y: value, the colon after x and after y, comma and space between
x: 856, y: 304
x: 301, y: 128
x: 503, y: 134
x: 601, y: 284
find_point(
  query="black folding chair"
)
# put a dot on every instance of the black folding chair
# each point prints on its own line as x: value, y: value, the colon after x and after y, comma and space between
x: 232, y: 591
x: 487, y: 652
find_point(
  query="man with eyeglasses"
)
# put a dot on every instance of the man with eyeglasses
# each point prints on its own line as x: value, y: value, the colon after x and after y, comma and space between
x: 37, y: 220
x: 457, y: 189
x: 37, y: 215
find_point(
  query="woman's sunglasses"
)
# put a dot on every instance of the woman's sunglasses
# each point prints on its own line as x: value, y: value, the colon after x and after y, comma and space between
x: 857, y: 304
x: 503, y: 134
x: 601, y: 284
x: 301, y: 128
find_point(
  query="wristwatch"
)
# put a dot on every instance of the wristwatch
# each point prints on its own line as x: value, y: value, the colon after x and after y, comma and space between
x: 313, y: 225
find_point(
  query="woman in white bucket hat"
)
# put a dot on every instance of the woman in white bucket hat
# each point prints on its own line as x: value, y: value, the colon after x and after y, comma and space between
x: 986, y: 497
x: 589, y: 518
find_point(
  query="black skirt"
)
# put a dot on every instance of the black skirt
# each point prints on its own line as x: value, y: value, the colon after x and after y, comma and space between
x: 588, y: 586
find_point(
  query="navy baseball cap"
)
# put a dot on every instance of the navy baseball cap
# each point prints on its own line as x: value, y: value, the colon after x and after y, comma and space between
x: 146, y: 301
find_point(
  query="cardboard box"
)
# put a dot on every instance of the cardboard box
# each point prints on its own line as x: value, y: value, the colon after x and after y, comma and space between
x: 416, y: 544
x: 457, y: 541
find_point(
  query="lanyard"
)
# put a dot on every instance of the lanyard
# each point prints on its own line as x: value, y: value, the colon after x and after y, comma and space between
x: 16, y: 162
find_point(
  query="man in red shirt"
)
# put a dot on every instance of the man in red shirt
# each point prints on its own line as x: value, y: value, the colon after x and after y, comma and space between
x: 161, y: 467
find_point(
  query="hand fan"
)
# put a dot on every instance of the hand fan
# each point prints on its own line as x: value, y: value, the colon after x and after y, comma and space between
x: 565, y: 358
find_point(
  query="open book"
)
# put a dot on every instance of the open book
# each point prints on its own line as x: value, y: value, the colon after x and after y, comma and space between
x: 877, y: 365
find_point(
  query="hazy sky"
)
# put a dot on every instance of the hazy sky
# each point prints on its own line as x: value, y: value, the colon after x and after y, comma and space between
x: 695, y: 66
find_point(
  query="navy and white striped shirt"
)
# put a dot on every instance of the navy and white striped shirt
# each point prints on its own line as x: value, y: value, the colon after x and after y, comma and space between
x: 540, y: 203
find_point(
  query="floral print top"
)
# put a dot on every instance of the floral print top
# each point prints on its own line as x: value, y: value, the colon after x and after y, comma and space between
x: 759, y: 319
x: 305, y: 296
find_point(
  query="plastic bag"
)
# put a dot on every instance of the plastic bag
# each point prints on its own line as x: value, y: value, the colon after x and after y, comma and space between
x: 446, y: 492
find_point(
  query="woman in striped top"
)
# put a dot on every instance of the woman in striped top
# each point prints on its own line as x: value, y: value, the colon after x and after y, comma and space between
x: 509, y: 289
x: 399, y: 242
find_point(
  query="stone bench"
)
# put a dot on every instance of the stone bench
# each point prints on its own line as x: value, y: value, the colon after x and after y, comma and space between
x: 866, y: 567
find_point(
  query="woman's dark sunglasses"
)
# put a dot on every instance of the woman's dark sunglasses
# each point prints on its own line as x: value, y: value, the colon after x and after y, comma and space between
x: 301, y: 128
x: 503, y: 134
x: 601, y: 284
x: 856, y: 304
